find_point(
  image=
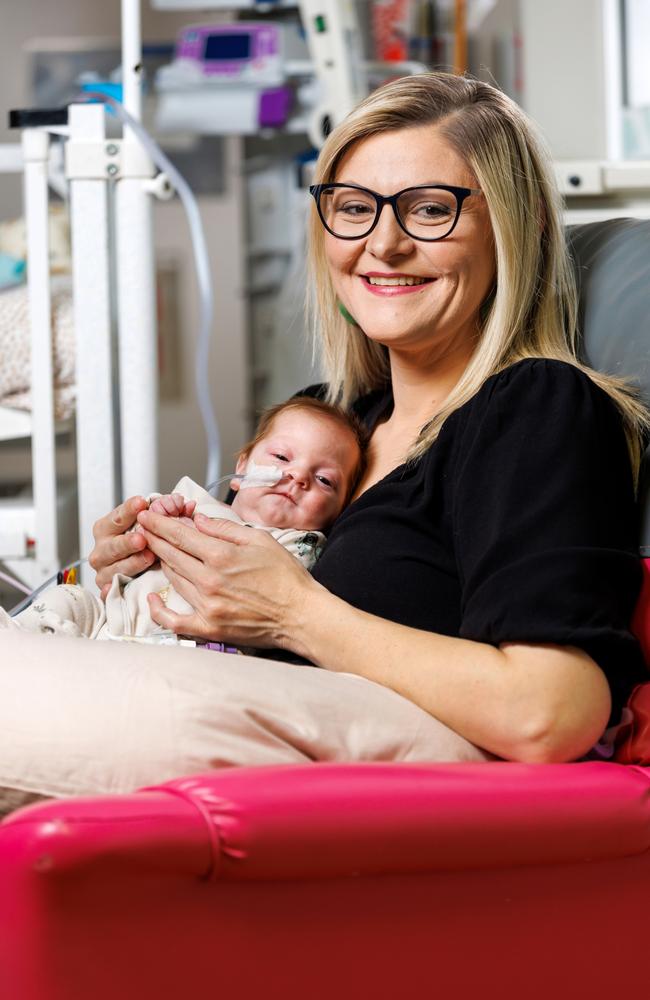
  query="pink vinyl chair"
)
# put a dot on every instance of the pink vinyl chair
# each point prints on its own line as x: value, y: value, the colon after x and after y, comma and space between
x: 357, y: 880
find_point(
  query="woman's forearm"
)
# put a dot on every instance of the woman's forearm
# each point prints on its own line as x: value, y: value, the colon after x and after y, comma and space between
x: 521, y: 702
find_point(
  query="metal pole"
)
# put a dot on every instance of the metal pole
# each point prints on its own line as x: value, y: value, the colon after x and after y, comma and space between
x: 92, y: 321
x: 136, y: 291
x: 36, y: 144
x: 131, y: 60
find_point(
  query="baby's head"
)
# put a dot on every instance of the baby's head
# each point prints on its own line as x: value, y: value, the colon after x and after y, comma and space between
x: 321, y: 451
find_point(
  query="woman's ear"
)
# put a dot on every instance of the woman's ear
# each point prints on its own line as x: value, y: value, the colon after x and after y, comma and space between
x: 240, y: 469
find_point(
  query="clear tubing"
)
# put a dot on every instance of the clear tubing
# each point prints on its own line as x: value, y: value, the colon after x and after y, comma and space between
x: 14, y: 583
x: 203, y: 277
x: 255, y: 476
x: 219, y: 482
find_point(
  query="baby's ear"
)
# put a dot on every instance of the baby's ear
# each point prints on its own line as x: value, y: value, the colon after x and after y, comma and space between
x: 240, y: 469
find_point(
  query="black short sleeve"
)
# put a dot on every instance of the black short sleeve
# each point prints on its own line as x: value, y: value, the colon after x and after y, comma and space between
x: 544, y: 518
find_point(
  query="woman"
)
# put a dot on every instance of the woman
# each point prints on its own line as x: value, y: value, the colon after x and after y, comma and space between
x: 473, y: 600
x: 486, y: 570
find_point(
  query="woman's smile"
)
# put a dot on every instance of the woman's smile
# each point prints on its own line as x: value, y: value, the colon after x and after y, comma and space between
x: 393, y: 284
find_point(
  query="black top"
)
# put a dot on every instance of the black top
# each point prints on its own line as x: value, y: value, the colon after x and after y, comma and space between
x: 517, y: 525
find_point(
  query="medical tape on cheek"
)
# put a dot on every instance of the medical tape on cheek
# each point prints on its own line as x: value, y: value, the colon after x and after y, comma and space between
x: 255, y: 475
x: 260, y: 475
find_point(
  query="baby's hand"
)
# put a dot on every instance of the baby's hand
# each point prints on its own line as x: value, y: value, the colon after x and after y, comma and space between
x: 174, y: 505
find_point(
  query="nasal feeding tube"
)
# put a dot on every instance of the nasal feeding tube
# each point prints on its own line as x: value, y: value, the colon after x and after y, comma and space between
x: 255, y: 476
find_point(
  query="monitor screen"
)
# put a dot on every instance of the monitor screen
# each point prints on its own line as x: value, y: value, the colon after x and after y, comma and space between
x: 225, y: 47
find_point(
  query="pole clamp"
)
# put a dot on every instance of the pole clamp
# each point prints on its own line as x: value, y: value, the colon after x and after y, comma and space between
x: 106, y: 159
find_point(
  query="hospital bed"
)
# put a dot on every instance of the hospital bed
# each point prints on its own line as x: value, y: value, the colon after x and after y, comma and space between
x: 377, y: 880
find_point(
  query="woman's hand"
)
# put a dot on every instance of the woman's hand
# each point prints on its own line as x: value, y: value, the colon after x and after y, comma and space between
x: 118, y: 550
x: 245, y: 588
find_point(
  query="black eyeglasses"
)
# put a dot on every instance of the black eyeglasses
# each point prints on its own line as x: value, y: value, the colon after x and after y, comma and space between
x: 428, y: 212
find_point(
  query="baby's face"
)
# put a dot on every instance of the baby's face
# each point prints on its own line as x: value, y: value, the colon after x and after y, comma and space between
x: 318, y: 457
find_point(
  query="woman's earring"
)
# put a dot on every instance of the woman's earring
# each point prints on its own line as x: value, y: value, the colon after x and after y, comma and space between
x: 348, y: 317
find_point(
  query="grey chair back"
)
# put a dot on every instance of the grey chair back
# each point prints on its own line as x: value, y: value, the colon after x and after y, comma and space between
x: 612, y: 261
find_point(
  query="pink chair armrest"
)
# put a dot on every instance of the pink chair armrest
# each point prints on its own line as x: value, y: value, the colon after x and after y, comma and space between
x: 329, y: 820
x: 153, y: 830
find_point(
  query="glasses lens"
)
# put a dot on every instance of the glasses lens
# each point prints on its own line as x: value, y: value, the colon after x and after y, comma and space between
x: 347, y: 211
x: 427, y: 213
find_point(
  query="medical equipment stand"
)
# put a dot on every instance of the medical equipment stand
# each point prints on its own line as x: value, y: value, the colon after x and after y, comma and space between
x: 94, y: 161
x: 35, y: 527
x: 333, y: 38
x: 106, y: 472
x: 97, y: 480
x: 135, y: 274
x: 36, y: 146
x: 104, y: 418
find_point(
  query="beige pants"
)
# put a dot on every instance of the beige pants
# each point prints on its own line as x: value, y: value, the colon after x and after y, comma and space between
x: 80, y: 718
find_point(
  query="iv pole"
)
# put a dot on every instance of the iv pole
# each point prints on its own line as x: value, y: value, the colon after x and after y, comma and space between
x: 136, y: 289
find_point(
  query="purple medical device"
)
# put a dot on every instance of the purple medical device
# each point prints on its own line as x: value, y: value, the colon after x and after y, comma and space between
x: 247, y: 54
x: 248, y: 50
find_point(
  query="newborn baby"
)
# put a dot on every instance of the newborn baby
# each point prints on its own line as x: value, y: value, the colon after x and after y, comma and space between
x: 292, y: 480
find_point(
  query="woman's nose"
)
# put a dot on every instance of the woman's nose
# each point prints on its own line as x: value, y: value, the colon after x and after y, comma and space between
x: 388, y: 239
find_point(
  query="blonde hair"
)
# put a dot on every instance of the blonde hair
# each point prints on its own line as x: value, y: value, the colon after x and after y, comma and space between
x: 532, y: 311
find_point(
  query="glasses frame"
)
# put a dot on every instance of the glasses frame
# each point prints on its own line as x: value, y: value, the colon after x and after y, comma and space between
x: 460, y: 193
